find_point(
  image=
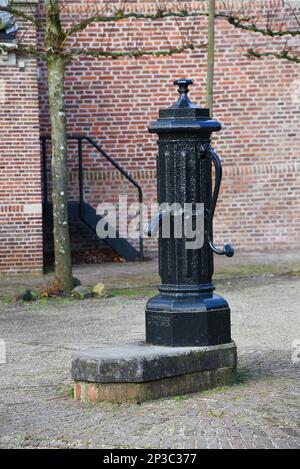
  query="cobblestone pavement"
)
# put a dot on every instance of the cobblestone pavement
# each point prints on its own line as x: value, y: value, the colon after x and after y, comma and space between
x: 261, y: 411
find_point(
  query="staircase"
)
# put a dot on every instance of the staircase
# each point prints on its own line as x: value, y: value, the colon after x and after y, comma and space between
x: 85, y: 212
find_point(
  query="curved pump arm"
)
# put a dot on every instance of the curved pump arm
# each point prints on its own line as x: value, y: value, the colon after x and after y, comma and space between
x: 228, y: 249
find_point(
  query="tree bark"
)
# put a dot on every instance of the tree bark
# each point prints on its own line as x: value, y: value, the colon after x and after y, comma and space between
x: 63, y: 264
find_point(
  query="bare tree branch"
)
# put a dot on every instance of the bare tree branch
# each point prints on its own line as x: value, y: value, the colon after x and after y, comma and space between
x: 132, y: 53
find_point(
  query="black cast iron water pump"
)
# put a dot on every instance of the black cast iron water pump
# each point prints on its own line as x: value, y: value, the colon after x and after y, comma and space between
x: 187, y: 312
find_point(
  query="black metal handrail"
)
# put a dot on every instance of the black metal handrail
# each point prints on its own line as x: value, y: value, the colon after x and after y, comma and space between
x: 80, y: 138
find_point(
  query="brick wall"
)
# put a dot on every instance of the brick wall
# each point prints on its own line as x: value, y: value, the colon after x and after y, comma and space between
x: 257, y: 102
x: 21, y: 246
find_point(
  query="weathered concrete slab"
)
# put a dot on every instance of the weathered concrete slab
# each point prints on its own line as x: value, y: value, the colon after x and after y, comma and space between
x: 140, y: 362
x: 151, y: 390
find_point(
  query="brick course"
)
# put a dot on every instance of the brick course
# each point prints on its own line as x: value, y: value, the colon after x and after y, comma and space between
x: 21, y: 235
x: 119, y: 393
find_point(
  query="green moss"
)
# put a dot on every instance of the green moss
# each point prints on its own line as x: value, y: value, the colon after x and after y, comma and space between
x: 219, y: 390
x: 59, y: 300
x: 295, y: 273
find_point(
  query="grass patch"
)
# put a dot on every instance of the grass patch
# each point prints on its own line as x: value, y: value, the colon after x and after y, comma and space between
x: 131, y: 292
x: 180, y: 398
x: 219, y: 390
x: 37, y: 298
x: 33, y: 306
x: 7, y: 300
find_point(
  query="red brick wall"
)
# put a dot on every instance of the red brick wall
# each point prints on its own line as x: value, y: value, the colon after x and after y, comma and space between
x: 256, y: 101
x: 21, y: 237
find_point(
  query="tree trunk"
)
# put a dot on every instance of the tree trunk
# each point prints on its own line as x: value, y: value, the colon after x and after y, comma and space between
x: 211, y: 56
x: 62, y: 250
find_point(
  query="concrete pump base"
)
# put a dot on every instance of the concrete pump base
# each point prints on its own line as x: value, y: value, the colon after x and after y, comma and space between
x: 142, y: 372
